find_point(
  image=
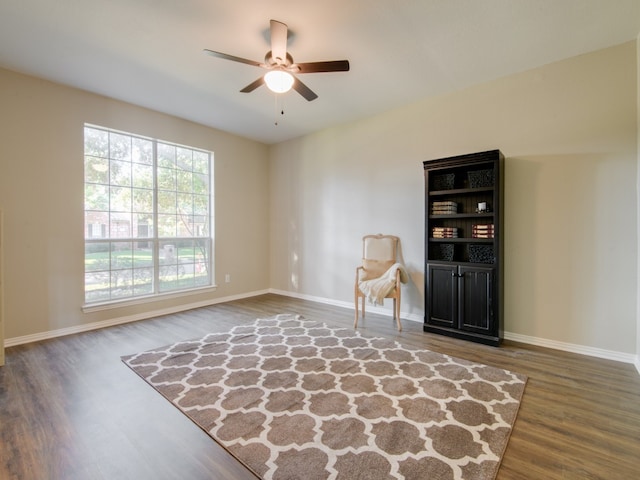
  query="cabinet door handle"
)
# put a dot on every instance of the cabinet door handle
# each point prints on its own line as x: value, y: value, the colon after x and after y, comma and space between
x: 459, y: 275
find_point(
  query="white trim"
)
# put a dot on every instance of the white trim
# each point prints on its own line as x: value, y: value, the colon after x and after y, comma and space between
x: 155, y: 239
x: 36, y: 337
x: 350, y: 305
x: 97, y: 307
x: 541, y: 342
x: 572, y: 347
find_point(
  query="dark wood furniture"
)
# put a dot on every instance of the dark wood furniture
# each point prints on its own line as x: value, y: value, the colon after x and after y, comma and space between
x: 463, y: 246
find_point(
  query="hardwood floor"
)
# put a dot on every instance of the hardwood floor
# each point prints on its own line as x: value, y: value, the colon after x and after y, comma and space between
x: 70, y: 409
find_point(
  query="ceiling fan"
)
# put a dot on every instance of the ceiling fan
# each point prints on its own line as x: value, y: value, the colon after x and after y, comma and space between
x: 281, y: 66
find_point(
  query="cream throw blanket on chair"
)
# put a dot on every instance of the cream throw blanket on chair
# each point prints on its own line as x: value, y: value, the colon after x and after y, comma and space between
x: 377, y: 289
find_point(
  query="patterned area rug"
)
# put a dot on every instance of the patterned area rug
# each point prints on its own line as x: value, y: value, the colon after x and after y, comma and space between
x: 292, y: 398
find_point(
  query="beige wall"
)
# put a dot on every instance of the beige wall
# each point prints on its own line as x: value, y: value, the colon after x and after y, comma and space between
x: 41, y: 194
x: 569, y: 133
x: 638, y: 200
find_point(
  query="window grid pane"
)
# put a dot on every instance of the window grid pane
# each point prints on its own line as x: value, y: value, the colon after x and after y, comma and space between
x: 141, y: 239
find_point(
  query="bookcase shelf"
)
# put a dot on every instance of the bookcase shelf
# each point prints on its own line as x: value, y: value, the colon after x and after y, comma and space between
x: 460, y: 191
x: 460, y: 215
x: 462, y: 240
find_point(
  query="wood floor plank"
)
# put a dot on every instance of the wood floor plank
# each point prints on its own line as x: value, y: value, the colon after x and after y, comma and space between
x: 70, y: 409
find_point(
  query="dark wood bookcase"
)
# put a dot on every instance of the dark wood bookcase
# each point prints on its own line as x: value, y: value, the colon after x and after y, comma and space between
x: 463, y: 246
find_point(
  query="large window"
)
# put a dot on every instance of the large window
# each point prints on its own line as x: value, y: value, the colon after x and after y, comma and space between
x: 147, y: 208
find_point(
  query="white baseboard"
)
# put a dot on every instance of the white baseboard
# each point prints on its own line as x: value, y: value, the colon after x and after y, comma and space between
x: 541, y: 342
x: 573, y: 348
x: 36, y: 337
x: 349, y: 305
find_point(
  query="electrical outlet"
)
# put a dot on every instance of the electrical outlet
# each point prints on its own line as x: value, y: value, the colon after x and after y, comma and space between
x: 227, y: 278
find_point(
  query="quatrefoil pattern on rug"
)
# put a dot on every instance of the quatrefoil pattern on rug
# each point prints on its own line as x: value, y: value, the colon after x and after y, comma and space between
x: 294, y: 398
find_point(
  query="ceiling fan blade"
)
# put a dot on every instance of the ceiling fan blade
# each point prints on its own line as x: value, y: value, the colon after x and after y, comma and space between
x: 316, y: 67
x: 279, y: 41
x: 253, y: 85
x: 303, y: 90
x: 232, y: 58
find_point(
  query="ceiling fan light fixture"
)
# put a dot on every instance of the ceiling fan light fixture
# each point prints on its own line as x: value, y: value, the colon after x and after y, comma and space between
x: 280, y: 64
x: 278, y: 81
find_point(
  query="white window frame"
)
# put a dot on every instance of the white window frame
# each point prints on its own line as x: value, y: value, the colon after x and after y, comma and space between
x: 174, y: 258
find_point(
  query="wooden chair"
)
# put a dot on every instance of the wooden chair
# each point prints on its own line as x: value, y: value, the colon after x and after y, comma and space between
x: 379, y: 254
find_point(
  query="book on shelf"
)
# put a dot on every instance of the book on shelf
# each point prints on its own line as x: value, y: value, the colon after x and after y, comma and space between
x: 482, y: 228
x: 443, y: 212
x: 444, y: 232
x: 482, y: 231
x: 485, y: 226
x: 482, y: 235
x: 444, y: 208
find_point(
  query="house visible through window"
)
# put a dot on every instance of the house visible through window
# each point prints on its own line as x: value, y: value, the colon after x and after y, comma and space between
x: 147, y: 207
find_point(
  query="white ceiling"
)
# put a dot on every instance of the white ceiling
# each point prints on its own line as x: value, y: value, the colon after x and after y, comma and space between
x: 149, y: 52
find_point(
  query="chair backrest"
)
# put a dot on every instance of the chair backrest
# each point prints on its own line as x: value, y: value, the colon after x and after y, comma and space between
x: 379, y: 252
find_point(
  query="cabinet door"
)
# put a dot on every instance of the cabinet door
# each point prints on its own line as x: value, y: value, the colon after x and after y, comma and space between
x: 442, y: 295
x: 476, y: 299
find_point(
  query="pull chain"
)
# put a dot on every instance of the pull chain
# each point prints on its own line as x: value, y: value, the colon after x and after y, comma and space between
x: 276, y: 96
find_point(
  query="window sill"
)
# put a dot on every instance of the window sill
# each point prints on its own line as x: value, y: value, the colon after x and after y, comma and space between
x: 101, y: 306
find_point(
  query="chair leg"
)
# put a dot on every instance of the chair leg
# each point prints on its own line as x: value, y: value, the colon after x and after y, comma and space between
x: 355, y: 322
x: 396, y: 300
